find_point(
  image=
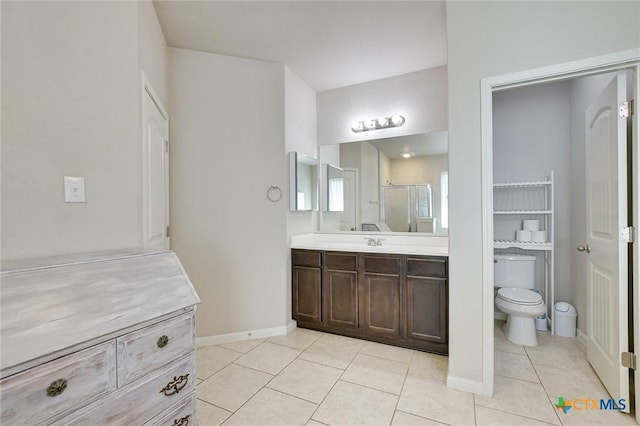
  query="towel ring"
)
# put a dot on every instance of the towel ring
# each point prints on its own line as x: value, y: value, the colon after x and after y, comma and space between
x: 274, y: 193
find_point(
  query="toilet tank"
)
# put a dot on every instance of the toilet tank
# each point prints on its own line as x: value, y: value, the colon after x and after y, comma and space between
x: 514, y: 270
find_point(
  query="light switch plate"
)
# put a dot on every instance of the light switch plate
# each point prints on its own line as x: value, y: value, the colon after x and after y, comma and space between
x: 73, y: 189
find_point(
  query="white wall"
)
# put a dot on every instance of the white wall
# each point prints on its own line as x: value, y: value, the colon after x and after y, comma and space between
x: 71, y: 96
x: 421, y: 97
x: 228, y: 148
x: 487, y: 39
x: 152, y: 51
x: 583, y: 90
x: 531, y: 137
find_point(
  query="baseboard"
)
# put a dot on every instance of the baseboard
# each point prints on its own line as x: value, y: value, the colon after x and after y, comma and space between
x: 245, y: 335
x: 467, y: 385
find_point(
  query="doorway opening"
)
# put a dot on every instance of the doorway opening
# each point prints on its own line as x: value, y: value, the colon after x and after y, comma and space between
x: 554, y: 77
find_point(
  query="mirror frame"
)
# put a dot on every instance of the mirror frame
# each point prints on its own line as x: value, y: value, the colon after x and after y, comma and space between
x: 294, y: 161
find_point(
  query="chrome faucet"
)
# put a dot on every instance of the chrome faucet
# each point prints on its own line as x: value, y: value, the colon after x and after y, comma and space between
x: 373, y: 242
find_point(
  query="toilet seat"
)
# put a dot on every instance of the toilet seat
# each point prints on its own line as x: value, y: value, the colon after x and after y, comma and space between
x: 520, y: 296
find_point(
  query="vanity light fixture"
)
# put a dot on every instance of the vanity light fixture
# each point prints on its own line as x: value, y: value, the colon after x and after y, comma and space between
x: 377, y: 124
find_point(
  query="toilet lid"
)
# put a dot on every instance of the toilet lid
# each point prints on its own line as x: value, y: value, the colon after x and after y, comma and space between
x: 520, y: 296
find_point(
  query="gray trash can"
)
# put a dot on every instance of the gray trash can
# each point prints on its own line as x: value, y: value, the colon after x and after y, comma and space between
x: 565, y: 317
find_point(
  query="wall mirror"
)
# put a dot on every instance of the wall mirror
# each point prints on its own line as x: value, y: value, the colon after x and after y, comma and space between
x: 397, y: 184
x: 303, y: 182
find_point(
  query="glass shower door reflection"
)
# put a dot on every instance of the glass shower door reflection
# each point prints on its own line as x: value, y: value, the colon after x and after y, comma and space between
x: 397, y: 208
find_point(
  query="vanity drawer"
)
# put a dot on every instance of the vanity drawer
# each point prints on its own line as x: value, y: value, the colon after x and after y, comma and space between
x: 427, y: 267
x: 58, y: 386
x: 341, y: 261
x: 380, y: 264
x: 139, y: 402
x: 306, y: 258
x: 181, y: 415
x: 152, y: 347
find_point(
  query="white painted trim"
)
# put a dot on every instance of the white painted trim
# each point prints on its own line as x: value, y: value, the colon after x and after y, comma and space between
x: 292, y: 325
x: 244, y: 335
x: 589, y: 66
x: 467, y: 385
x: 582, y: 338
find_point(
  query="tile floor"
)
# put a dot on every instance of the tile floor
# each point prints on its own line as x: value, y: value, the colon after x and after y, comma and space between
x: 312, y: 378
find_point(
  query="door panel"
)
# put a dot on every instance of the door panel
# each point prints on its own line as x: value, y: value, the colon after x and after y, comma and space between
x: 156, y: 176
x: 349, y: 217
x: 607, y: 273
x: 306, y: 294
x: 341, y: 299
x: 426, y: 309
x: 381, y: 295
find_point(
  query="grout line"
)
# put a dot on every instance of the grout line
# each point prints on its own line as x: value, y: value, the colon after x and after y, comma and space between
x: 475, y: 412
x: 395, y: 409
x: 422, y: 417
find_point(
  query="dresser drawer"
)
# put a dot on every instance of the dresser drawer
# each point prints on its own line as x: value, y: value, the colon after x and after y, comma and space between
x: 145, y: 350
x: 141, y: 401
x: 58, y: 386
x: 184, y: 414
x: 427, y: 267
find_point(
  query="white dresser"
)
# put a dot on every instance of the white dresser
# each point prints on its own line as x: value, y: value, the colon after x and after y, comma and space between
x: 104, y: 338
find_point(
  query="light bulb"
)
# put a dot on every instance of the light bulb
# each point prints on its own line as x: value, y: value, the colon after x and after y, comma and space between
x: 397, y: 120
x: 382, y: 122
x: 356, y: 126
x: 370, y: 124
x: 406, y: 155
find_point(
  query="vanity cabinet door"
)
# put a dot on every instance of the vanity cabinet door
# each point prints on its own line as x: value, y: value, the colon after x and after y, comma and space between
x: 306, y: 294
x: 427, y: 309
x: 380, y: 295
x: 341, y: 299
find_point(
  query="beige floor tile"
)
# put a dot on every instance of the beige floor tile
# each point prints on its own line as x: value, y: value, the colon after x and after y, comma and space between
x: 232, y: 386
x: 269, y: 407
x: 575, y: 417
x: 243, y: 346
x: 332, y: 352
x: 210, y: 415
x: 436, y: 401
x: 342, y: 339
x: 268, y: 357
x: 558, y: 352
x: 489, y: 417
x: 299, y: 338
x: 349, y: 404
x: 314, y: 423
x: 387, y: 351
x: 429, y: 366
x: 211, y: 359
x: 571, y: 383
x: 521, y: 398
x: 501, y: 344
x: 514, y: 366
x: 306, y: 380
x: 377, y: 373
x: 400, y: 418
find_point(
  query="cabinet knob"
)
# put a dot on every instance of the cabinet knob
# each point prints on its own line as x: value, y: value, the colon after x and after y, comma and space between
x: 162, y: 341
x: 56, y: 387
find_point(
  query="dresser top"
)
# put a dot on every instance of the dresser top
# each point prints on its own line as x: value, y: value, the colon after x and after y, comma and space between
x: 51, y: 305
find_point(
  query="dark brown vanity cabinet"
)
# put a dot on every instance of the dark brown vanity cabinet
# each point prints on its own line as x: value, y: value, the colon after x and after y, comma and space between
x: 306, y: 288
x: 427, y: 299
x: 390, y: 298
x: 380, y: 295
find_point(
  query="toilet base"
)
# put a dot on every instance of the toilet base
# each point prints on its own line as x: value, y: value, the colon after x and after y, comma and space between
x: 521, y: 330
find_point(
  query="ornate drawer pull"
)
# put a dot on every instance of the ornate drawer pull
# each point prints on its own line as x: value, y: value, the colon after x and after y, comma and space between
x: 56, y: 387
x: 183, y: 421
x: 176, y: 385
x: 162, y: 341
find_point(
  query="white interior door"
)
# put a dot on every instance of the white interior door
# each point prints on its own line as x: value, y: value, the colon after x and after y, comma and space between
x: 607, y: 274
x: 155, y: 174
x: 349, y: 216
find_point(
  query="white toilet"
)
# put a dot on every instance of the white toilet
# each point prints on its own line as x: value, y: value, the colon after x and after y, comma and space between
x: 515, y: 275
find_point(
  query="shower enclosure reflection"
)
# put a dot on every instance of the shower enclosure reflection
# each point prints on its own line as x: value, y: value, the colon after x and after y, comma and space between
x: 395, y: 184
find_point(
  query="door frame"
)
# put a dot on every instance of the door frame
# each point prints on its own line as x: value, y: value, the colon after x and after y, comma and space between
x: 357, y: 197
x: 628, y: 59
x: 147, y: 88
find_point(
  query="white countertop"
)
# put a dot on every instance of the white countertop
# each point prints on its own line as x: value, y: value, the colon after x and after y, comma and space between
x: 419, y: 244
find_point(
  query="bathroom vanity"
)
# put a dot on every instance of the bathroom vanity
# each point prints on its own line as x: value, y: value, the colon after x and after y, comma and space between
x: 97, y: 339
x: 394, y: 298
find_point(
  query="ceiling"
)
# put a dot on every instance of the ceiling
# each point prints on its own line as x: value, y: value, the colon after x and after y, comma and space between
x: 328, y: 44
x: 419, y: 145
